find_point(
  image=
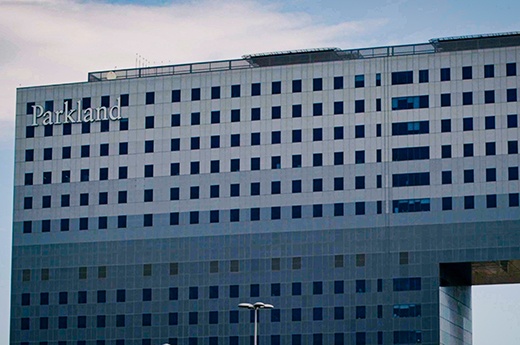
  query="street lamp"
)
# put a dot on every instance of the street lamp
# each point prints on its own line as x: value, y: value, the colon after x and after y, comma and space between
x: 256, y: 307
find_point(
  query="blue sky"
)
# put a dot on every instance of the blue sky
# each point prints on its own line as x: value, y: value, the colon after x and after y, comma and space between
x: 60, y: 41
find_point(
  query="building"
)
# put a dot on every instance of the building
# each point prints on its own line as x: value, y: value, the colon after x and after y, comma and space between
x: 361, y: 192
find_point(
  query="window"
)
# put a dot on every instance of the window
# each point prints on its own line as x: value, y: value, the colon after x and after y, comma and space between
x: 255, y: 89
x: 235, y: 91
x: 317, y: 109
x: 446, y: 126
x: 174, y: 169
x: 148, y: 170
x: 360, y: 182
x: 276, y: 137
x: 410, y: 102
x: 83, y: 199
x: 47, y: 177
x: 317, y: 84
x: 411, y: 205
x: 64, y: 224
x: 467, y: 72
x: 360, y: 208
x: 378, y: 79
x: 338, y: 83
x: 469, y: 176
x: 423, y: 76
x: 338, y: 158
x: 491, y: 175
x: 512, y: 95
x: 297, y: 186
x: 407, y: 284
x: 467, y: 98
x: 361, y: 312
x: 400, y: 78
x: 276, y: 212
x: 176, y: 120
x: 359, y: 106
x: 296, y: 289
x: 195, y: 119
x: 214, y: 191
x: 410, y: 128
x: 411, y: 179
x: 338, y: 183
x: 215, y: 116
x: 446, y: 151
x: 28, y: 181
x: 195, y: 94
x: 296, y: 314
x: 47, y: 130
x: 276, y: 87
x: 276, y: 187
x: 514, y: 200
x: 489, y: 96
x: 234, y: 190
x: 47, y: 153
x: 276, y: 112
x: 490, y: 122
x: 235, y: 115
x: 360, y: 131
x: 447, y: 204
x: 255, y: 139
x: 338, y: 133
x: 149, y: 122
x: 378, y: 104
x: 148, y: 146
x: 194, y: 168
x: 27, y: 203
x: 29, y: 155
x: 511, y: 69
x: 359, y: 80
x: 150, y: 98
x: 297, y: 85
x: 512, y: 147
x: 29, y: 132
x: 102, y: 223
x: 124, y: 100
x: 255, y: 163
x: 215, y: 92
x: 176, y: 96
x: 254, y: 290
x: 512, y: 173
x: 317, y: 134
x: 489, y: 71
x: 446, y: 177
x: 194, y: 217
x: 255, y: 114
x: 297, y: 110
x: 338, y: 108
x: 359, y: 157
x: 490, y: 149
x: 276, y: 162
x: 317, y: 159
x: 361, y: 286
x: 46, y: 201
x: 445, y: 100
x: 445, y: 74
x: 468, y: 150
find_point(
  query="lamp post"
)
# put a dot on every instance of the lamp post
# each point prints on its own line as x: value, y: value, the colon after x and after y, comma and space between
x: 255, y: 307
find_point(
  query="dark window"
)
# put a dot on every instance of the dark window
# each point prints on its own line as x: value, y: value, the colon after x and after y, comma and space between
x: 378, y: 79
x: 410, y: 179
x: 29, y: 155
x: 490, y: 149
x: 511, y: 69
x: 317, y: 84
x: 359, y: 80
x: 149, y: 146
x: 235, y: 92
x: 489, y: 122
x: 399, y: 78
x: 214, y: 141
x: 513, y: 200
x: 64, y: 224
x: 174, y: 169
x: 445, y: 74
x: 468, y: 150
x: 359, y: 157
x: 445, y: 100
x: 276, y: 87
x: 215, y: 92
x: 410, y: 153
x: 467, y: 72
x: 46, y: 201
x: 297, y: 136
x: 255, y: 163
x: 317, y: 109
x: 512, y: 95
x: 83, y: 199
x: 423, y: 76
x: 359, y: 106
x: 176, y: 120
x: 469, y: 176
x: 47, y: 130
x: 235, y: 115
x: 445, y: 125
x: 360, y: 208
x: 125, y: 100
x: 194, y: 192
x: 121, y: 222
x: 489, y: 71
x: 339, y: 209
x: 276, y: 112
x: 122, y: 197
x: 360, y: 131
x: 411, y: 205
x: 338, y: 158
x: 407, y: 284
x: 338, y: 107
x: 338, y: 83
x: 194, y: 217
x: 65, y: 200
x: 29, y: 132
x: 467, y: 98
x: 491, y: 175
x: 27, y: 203
x: 378, y: 104
x: 317, y: 134
x: 446, y: 151
x: 360, y: 182
x: 361, y: 312
x: 255, y: 139
x: 410, y: 128
x: 176, y: 96
x: 411, y: 102
x: 317, y: 159
x: 513, y: 173
x: 296, y: 314
x: 276, y: 212
x: 149, y: 122
x: 297, y: 85
x: 491, y: 201
x: 276, y: 162
x: 215, y: 116
x: 123, y: 173
x: 255, y: 89
x: 47, y: 153
x: 195, y: 143
x: 85, y: 151
x: 297, y: 110
x: 276, y: 187
x: 148, y: 170
x: 67, y: 128
x: 512, y: 147
x: 255, y: 114
x: 446, y: 177
x: 194, y: 168
x: 338, y: 133
x: 296, y: 289
x: 103, y: 222
x: 317, y: 211
x: 150, y: 98
x: 489, y: 96
x: 338, y: 183
x: 447, y: 204
x: 254, y: 290
x: 297, y: 186
x: 29, y: 179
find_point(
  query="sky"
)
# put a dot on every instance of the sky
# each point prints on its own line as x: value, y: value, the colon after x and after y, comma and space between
x: 60, y: 41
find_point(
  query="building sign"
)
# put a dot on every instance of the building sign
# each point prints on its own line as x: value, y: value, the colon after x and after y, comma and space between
x: 75, y: 115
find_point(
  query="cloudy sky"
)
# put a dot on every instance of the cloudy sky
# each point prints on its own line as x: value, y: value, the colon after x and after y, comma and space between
x: 60, y: 41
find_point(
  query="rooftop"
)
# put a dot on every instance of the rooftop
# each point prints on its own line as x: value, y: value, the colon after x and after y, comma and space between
x: 436, y: 45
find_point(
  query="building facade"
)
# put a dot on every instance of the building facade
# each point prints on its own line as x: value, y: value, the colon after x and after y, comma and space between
x: 361, y: 192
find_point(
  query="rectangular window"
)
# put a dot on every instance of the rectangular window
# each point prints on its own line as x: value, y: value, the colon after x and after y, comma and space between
x: 467, y: 98
x: 511, y: 69
x: 447, y: 204
x: 411, y: 179
x: 469, y: 202
x: 359, y: 106
x: 176, y: 120
x: 512, y: 147
x: 410, y: 102
x: 489, y: 122
x: 195, y: 119
x: 276, y: 87
x: 215, y: 92
x: 512, y: 95
x: 176, y: 96
x: 514, y: 200
x: 297, y: 110
x: 317, y: 134
x: 410, y: 128
x: 359, y: 131
x: 255, y: 89
x: 467, y: 150
x: 317, y: 84
x: 489, y: 71
x: 407, y: 284
x: 317, y: 109
x: 489, y: 96
x: 360, y: 208
x: 276, y: 112
x: 359, y: 80
x: 410, y: 153
x: 446, y: 177
x: 445, y: 74
x: 513, y: 173
x: 423, y: 76
x: 446, y: 151
x: 490, y: 149
x: 378, y: 79
x: 317, y: 159
x: 446, y: 100
x: 491, y: 201
x: 338, y: 108
x: 446, y: 126
x: 400, y: 78
x: 469, y: 176
x: 411, y: 205
x: 467, y: 72
x: 338, y: 83
x: 297, y: 86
